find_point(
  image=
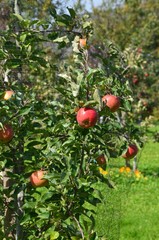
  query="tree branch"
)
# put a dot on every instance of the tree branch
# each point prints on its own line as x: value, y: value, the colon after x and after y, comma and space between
x: 79, y: 226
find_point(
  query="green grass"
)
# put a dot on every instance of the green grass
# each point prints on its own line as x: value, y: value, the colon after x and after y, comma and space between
x: 140, y: 219
x: 132, y: 211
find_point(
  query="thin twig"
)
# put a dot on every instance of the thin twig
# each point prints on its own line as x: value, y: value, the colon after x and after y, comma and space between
x: 46, y: 31
x: 86, y: 71
x: 79, y: 226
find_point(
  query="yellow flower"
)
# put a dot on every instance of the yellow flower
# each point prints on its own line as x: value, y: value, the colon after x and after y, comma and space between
x: 122, y: 169
x: 127, y: 169
x: 103, y: 172
x: 137, y: 173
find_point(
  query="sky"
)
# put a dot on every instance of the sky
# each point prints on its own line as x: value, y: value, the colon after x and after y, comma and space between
x: 87, y: 4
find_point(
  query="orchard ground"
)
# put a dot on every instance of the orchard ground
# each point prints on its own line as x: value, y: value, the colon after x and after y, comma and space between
x: 134, y: 207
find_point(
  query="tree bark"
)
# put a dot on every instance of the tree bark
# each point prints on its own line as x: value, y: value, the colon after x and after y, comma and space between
x: 9, y: 215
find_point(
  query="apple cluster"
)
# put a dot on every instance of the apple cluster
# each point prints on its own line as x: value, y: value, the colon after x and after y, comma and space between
x: 87, y: 118
x: 6, y: 135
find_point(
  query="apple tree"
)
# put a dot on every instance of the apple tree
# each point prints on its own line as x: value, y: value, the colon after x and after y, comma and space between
x: 55, y: 70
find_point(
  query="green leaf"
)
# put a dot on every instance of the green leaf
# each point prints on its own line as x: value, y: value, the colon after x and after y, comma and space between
x: 20, y: 18
x: 40, y: 60
x: 87, y: 24
x: 72, y: 12
x: 62, y: 39
x: 75, y: 89
x: 36, y: 196
x: 47, y: 196
x: 90, y: 103
x: 26, y: 218
x: 53, y: 36
x: 43, y: 213
x: 2, y: 54
x: 89, y: 206
x: 42, y: 190
x: 63, y: 20
x: 29, y: 205
x: 98, y: 186
x: 65, y: 176
x: 24, y: 111
x: 53, y: 11
x: 54, y: 235
x: 13, y: 63
x: 33, y: 143
x: 84, y: 218
x: 23, y: 37
x: 97, y: 98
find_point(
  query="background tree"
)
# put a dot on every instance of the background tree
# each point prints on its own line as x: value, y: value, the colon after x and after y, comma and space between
x: 133, y: 26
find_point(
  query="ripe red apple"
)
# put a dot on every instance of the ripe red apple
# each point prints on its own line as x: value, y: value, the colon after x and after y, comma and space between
x: 6, y: 133
x: 131, y: 152
x: 37, y: 179
x: 111, y: 101
x: 146, y: 74
x: 8, y: 94
x: 101, y: 160
x: 87, y: 117
x: 135, y: 81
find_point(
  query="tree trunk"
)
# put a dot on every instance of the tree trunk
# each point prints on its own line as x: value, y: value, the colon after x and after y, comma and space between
x: 9, y: 214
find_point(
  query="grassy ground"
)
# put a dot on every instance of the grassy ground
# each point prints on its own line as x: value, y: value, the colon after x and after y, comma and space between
x: 140, y: 220
x: 132, y: 211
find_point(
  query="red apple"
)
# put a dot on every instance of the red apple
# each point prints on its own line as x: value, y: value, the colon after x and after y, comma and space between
x: 37, y: 179
x: 139, y: 50
x: 145, y: 103
x: 8, y: 94
x: 146, y: 74
x: 82, y: 42
x: 101, y: 160
x: 131, y: 152
x: 87, y: 117
x: 111, y: 101
x: 135, y: 79
x: 6, y: 133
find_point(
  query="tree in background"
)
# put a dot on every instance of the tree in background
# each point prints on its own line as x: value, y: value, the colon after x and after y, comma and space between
x: 134, y: 27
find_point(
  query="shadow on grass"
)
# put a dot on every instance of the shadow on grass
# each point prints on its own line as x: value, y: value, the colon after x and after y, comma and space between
x: 108, y: 219
x: 151, y: 172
